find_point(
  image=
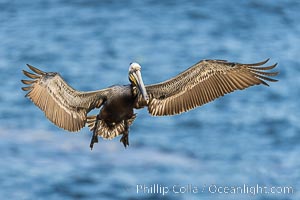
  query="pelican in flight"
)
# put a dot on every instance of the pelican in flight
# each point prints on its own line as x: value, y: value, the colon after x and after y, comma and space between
x: 203, y: 82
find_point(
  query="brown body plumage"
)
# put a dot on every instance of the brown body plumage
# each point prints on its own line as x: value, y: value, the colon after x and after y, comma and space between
x: 200, y: 84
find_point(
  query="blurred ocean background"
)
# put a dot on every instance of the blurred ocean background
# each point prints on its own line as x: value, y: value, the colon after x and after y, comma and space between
x: 247, y: 138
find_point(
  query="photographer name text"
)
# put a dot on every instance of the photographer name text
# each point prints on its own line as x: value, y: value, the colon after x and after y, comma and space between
x: 212, y: 189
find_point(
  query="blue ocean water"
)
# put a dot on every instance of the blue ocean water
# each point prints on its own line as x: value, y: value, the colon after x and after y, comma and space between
x: 247, y: 139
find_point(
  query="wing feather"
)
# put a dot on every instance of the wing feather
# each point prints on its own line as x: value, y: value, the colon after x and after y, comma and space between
x: 64, y: 106
x: 204, y: 82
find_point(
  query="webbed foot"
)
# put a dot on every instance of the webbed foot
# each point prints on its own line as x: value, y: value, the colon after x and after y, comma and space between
x: 93, y: 140
x: 124, y: 139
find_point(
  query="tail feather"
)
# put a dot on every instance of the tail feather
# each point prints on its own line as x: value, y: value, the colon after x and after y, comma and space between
x: 105, y: 130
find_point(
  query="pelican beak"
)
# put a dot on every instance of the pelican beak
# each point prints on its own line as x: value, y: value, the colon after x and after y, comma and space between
x: 140, y: 84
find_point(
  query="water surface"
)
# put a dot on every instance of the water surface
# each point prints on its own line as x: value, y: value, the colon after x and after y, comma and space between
x: 246, y: 138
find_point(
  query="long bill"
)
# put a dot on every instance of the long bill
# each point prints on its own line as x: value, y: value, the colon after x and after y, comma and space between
x: 140, y: 85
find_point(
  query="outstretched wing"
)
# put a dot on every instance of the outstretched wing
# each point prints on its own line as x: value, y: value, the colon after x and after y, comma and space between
x: 64, y: 106
x: 204, y: 82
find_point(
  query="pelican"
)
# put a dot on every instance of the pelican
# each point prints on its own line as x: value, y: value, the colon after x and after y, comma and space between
x: 203, y: 82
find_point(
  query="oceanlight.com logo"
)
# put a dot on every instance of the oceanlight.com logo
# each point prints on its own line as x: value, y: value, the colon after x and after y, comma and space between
x: 212, y: 189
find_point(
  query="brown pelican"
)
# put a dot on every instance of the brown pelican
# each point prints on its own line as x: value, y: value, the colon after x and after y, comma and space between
x: 203, y: 82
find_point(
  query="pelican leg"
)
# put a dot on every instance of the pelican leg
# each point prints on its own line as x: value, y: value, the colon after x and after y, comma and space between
x: 124, y: 139
x: 94, y: 139
x: 95, y: 135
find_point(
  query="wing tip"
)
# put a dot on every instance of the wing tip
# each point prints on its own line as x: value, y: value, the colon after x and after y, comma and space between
x: 258, y: 63
x: 267, y: 60
x: 258, y: 67
x: 31, y: 75
x: 36, y: 70
x: 24, y: 71
x: 26, y: 88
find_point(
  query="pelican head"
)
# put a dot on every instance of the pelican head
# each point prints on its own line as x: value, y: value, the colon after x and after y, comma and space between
x: 135, y: 77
